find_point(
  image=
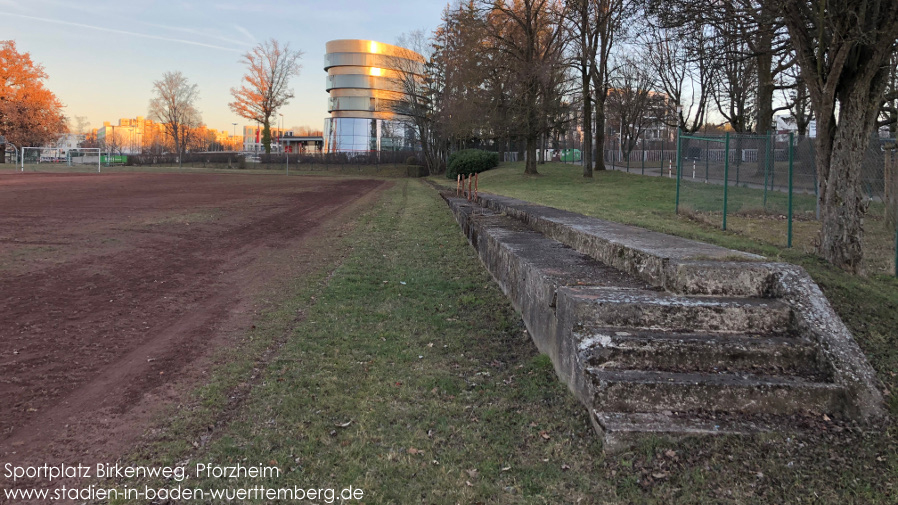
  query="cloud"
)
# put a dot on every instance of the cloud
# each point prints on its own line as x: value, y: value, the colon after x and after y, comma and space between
x: 124, y: 32
x: 249, y: 36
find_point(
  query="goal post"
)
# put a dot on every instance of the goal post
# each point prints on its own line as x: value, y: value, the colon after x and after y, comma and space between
x: 84, y: 156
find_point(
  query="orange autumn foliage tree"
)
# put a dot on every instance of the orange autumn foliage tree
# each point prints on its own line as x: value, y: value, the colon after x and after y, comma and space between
x: 270, y: 65
x: 30, y: 114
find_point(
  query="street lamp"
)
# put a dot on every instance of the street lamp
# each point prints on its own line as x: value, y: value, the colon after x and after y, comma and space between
x: 234, y: 136
x: 281, y: 137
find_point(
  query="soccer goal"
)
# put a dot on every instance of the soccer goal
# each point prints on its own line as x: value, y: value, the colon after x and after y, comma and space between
x: 87, y: 156
x: 40, y: 157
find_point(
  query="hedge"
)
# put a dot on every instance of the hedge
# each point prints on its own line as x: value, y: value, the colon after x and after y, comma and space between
x: 470, y: 161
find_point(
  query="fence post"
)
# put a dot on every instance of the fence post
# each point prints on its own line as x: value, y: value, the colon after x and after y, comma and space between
x: 679, y: 172
x: 726, y: 176
x: 789, y: 230
x: 766, y: 165
x: 643, y: 156
x: 707, y: 158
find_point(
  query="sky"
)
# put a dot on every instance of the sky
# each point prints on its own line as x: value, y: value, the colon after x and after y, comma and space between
x: 102, y: 56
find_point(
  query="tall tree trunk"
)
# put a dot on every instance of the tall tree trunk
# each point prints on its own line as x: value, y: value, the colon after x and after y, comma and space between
x: 764, y: 50
x: 600, y: 130
x: 585, y: 89
x: 530, y: 145
x: 840, y: 158
x: 852, y: 86
x: 532, y: 131
x: 266, y: 135
x: 179, y: 146
x: 587, y: 122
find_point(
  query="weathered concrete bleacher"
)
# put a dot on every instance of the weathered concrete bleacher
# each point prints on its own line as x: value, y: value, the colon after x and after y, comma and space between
x: 664, y: 335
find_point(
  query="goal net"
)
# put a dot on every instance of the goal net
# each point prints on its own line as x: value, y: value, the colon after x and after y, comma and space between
x: 84, y: 156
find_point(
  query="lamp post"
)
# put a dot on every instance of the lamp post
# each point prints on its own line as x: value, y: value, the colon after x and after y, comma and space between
x: 284, y: 147
x: 234, y: 136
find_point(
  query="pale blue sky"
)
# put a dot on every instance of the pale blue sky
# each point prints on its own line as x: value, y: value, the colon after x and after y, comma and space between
x: 102, y: 56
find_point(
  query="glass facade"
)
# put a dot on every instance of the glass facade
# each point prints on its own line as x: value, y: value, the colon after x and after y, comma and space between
x: 365, y: 85
x: 361, y: 135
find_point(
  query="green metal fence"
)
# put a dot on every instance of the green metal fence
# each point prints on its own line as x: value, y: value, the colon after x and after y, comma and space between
x: 765, y: 185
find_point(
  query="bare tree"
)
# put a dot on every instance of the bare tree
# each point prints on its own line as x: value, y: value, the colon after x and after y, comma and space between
x: 585, y: 44
x: 631, y: 102
x: 270, y: 65
x: 113, y: 142
x: 735, y: 82
x: 529, y: 37
x: 797, y: 100
x: 597, y: 26
x: 78, y: 125
x: 607, y: 16
x: 466, y: 77
x: 683, y: 69
x: 174, y: 105
x: 843, y: 48
x: 757, y: 27
x: 416, y: 108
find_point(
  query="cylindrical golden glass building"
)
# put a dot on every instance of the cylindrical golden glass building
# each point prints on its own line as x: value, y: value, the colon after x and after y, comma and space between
x: 366, y: 82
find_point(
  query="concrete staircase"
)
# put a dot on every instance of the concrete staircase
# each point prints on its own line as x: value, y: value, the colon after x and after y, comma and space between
x: 663, y: 335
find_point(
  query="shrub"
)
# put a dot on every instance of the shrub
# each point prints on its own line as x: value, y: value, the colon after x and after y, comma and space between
x: 411, y: 160
x: 471, y: 161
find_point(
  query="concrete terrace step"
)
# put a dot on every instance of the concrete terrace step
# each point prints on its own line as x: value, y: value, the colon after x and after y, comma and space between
x: 645, y: 309
x: 652, y: 391
x: 620, y: 430
x: 674, y: 263
x: 617, y: 349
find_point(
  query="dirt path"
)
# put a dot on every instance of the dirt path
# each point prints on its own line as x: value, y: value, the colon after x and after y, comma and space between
x: 114, y: 288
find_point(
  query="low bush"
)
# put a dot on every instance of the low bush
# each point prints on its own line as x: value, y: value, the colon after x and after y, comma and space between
x: 411, y: 160
x: 471, y: 161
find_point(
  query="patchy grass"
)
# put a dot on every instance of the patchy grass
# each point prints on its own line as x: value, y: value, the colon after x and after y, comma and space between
x: 410, y: 377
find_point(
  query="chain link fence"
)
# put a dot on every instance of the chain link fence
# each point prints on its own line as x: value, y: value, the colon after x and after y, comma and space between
x: 383, y: 163
x: 766, y: 186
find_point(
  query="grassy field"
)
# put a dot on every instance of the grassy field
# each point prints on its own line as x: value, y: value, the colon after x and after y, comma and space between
x: 403, y: 371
